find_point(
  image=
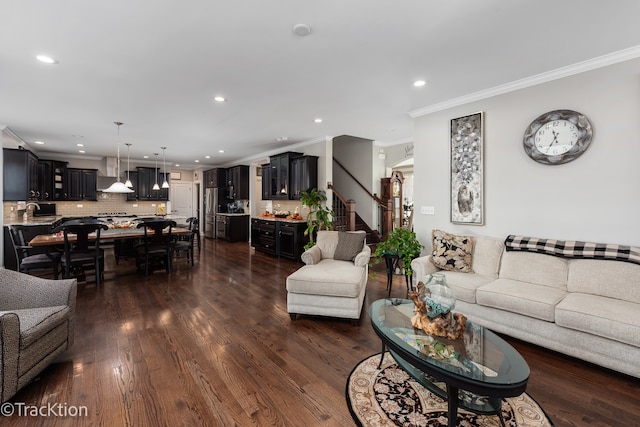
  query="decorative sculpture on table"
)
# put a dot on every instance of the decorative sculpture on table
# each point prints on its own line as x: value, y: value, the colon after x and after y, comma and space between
x: 434, y: 302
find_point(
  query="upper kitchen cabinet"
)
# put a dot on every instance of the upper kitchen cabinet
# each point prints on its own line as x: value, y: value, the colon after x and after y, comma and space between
x: 266, y: 181
x: 147, y: 178
x: 82, y: 184
x: 304, y: 175
x: 238, y: 180
x: 214, y: 178
x: 52, y: 180
x: 280, y: 178
x: 20, y: 169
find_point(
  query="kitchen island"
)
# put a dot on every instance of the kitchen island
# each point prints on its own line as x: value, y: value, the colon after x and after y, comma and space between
x: 279, y: 236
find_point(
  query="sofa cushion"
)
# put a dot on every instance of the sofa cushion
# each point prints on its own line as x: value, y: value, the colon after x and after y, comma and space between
x: 613, y: 279
x: 528, y: 299
x: 606, y: 317
x: 487, y: 252
x: 452, y: 252
x: 464, y: 285
x: 349, y: 245
x: 327, y: 241
x: 329, y: 277
x: 535, y: 268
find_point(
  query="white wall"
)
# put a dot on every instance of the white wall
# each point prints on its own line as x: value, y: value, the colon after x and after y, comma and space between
x: 594, y: 198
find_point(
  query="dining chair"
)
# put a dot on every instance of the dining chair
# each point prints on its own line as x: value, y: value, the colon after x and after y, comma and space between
x: 155, y: 249
x: 185, y: 243
x: 81, y: 255
x: 29, y: 259
x: 194, y: 226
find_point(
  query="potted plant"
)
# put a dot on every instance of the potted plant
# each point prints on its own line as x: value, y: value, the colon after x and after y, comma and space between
x: 319, y: 217
x: 400, y: 242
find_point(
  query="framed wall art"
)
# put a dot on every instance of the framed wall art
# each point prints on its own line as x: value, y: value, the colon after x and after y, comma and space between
x: 467, y: 171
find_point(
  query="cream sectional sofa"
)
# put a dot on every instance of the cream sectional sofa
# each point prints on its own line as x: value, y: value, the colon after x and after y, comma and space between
x: 585, y: 308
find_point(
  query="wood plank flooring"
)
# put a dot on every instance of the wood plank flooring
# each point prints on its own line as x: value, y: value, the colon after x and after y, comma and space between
x: 213, y: 345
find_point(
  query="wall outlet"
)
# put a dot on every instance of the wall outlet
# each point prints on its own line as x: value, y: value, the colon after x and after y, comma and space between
x: 427, y: 210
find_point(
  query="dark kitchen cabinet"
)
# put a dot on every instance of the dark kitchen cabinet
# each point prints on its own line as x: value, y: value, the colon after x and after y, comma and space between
x: 20, y: 170
x: 232, y: 228
x: 280, y: 177
x: 214, y: 178
x: 82, y: 184
x: 280, y: 238
x: 52, y: 180
x: 238, y: 179
x: 304, y: 175
x: 266, y: 181
x: 147, y: 178
x: 292, y: 239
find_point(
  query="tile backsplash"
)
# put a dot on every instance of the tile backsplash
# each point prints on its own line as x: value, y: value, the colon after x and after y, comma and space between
x: 107, y: 202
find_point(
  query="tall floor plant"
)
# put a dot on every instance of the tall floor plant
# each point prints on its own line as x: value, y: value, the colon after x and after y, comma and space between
x: 320, y: 217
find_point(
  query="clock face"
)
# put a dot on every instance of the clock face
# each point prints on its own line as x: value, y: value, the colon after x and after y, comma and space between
x: 557, y: 137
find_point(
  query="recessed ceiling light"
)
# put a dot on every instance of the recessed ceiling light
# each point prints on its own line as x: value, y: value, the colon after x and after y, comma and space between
x: 79, y: 145
x: 46, y: 59
x: 318, y: 120
x: 207, y: 157
x: 282, y: 138
x: 301, y: 30
x: 419, y: 83
x: 145, y: 157
x: 38, y: 142
x: 197, y: 161
x: 177, y: 165
x: 220, y: 98
x: 81, y: 151
x: 220, y: 151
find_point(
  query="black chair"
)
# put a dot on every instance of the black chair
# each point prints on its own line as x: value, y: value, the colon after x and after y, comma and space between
x: 185, y: 243
x: 82, y: 255
x: 29, y: 259
x: 155, y: 250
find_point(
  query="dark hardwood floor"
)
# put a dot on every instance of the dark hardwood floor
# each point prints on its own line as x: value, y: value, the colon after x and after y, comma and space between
x: 213, y: 345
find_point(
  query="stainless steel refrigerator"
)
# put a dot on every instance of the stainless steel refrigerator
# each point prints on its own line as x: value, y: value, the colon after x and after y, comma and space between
x: 211, y: 208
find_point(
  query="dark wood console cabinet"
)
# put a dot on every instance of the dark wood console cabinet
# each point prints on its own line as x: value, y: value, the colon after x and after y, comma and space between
x: 279, y: 238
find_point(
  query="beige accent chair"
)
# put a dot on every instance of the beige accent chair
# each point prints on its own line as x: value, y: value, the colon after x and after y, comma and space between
x: 331, y: 287
x: 37, y: 319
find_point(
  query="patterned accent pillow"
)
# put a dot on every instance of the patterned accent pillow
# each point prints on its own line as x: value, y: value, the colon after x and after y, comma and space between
x: 451, y: 252
x: 349, y: 245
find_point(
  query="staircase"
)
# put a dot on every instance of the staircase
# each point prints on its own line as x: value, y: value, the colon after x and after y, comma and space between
x: 347, y: 219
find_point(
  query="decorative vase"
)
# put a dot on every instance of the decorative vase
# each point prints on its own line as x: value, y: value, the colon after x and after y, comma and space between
x: 438, y: 297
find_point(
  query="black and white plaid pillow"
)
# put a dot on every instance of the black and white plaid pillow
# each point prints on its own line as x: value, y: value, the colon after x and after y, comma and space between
x: 573, y: 249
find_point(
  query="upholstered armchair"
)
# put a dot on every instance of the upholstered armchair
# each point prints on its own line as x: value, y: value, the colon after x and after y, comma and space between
x: 334, y: 280
x: 37, y: 319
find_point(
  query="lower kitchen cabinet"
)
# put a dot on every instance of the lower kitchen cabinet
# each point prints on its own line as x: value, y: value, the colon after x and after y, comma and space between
x: 232, y: 228
x: 279, y: 238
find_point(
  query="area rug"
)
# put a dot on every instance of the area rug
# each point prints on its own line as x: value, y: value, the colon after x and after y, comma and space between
x: 390, y: 397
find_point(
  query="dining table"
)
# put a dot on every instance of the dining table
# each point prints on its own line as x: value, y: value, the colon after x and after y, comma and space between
x: 116, y: 233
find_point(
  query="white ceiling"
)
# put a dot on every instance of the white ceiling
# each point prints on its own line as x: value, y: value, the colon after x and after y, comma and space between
x: 156, y: 66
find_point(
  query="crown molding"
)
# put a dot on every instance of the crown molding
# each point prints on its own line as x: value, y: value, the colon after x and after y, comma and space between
x: 558, y: 73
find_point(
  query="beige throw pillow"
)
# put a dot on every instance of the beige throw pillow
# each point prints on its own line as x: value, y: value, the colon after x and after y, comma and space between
x: 451, y: 252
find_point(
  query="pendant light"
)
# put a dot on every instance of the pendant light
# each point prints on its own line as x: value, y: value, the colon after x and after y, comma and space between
x: 156, y: 186
x: 128, y: 183
x: 165, y: 183
x: 118, y: 187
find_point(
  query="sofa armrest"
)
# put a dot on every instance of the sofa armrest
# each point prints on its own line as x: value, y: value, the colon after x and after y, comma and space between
x: 422, y: 267
x: 312, y: 256
x: 10, y: 348
x: 21, y: 291
x: 363, y: 257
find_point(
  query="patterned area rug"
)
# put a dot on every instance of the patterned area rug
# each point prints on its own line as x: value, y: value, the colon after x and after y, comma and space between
x: 390, y: 397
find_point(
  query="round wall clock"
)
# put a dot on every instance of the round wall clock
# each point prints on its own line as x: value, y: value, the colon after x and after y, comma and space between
x: 557, y: 137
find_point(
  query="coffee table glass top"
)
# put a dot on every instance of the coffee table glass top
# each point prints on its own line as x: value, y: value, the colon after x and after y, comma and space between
x: 479, y: 361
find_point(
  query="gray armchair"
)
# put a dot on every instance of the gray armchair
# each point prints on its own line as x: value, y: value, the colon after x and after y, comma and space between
x: 37, y: 319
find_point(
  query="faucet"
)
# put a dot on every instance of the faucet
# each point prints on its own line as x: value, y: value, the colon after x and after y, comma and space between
x: 26, y: 207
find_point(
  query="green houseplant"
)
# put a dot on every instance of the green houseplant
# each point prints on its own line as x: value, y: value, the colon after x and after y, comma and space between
x: 401, y: 242
x: 320, y: 217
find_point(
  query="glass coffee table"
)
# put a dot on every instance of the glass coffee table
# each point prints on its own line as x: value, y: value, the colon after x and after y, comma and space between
x: 473, y: 372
